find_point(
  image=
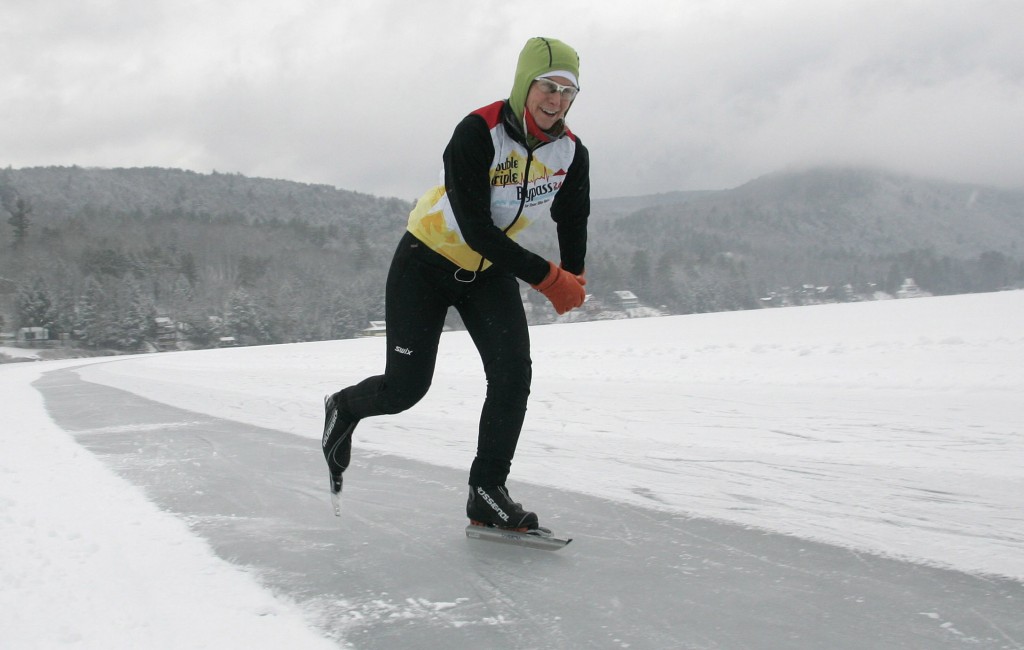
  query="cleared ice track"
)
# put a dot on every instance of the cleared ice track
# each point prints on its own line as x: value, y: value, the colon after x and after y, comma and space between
x: 397, y: 571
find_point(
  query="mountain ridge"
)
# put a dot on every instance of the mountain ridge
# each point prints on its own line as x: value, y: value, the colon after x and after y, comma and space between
x: 283, y: 260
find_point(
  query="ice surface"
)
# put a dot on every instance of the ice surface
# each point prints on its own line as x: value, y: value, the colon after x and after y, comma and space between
x: 889, y: 427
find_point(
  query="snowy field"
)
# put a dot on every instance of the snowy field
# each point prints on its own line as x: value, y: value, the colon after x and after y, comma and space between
x: 887, y: 427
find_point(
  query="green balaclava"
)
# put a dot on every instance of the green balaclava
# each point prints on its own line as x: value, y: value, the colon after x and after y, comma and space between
x: 540, y: 56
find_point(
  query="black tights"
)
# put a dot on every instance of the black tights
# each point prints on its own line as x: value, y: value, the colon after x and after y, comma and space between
x: 421, y: 287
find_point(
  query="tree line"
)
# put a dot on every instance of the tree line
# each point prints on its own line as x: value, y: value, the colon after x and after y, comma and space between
x: 101, y: 276
x: 108, y: 292
x: 97, y: 256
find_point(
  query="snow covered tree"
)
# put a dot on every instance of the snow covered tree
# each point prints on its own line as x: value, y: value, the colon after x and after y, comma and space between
x: 35, y: 304
x: 116, y: 315
x: 137, y: 322
x: 92, y: 321
x: 246, y: 320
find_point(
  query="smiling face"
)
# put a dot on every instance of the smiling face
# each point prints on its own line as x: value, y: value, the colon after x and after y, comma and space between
x: 547, y: 108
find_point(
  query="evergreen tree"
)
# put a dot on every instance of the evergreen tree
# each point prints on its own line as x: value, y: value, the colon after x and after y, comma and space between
x: 245, y: 319
x: 183, y: 294
x: 63, y: 292
x: 116, y: 314
x: 137, y: 317
x: 92, y: 315
x: 199, y: 328
x: 18, y: 208
x: 188, y: 268
x: 345, y: 323
x: 35, y: 304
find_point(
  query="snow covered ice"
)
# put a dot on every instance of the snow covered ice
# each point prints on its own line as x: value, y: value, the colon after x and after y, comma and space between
x: 891, y: 428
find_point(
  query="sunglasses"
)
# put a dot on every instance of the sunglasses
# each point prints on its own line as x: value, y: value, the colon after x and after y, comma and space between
x: 550, y: 87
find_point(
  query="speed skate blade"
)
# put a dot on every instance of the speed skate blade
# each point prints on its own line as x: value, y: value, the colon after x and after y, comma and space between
x: 545, y: 542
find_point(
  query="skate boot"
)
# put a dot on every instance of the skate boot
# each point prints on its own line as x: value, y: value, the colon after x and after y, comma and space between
x: 493, y: 507
x: 337, y: 440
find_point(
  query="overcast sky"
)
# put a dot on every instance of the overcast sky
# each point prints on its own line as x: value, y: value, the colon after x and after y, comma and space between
x: 363, y: 94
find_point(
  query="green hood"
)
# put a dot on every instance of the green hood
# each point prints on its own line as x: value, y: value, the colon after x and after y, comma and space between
x: 540, y: 55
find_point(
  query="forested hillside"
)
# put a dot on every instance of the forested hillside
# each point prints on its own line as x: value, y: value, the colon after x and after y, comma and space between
x: 107, y: 251
x: 98, y: 255
x: 821, y: 234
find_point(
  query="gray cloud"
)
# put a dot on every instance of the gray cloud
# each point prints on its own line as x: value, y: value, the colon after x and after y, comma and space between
x: 364, y: 95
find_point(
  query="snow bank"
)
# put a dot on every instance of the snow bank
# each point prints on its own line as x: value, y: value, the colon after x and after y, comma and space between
x: 87, y: 562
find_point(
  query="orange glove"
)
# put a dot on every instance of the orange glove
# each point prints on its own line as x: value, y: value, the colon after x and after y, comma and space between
x: 563, y: 289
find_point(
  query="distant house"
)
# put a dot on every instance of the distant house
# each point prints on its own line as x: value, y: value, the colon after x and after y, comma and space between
x: 376, y: 328
x: 909, y: 289
x: 774, y: 299
x: 626, y: 300
x: 34, y: 334
x: 166, y: 333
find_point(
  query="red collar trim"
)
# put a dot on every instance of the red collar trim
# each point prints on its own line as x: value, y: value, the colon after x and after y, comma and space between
x: 534, y: 130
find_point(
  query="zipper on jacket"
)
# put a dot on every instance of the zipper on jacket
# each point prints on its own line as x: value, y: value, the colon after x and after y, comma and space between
x: 519, y: 213
x: 522, y: 199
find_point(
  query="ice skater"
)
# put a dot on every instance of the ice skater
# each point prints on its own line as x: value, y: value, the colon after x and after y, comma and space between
x: 506, y: 165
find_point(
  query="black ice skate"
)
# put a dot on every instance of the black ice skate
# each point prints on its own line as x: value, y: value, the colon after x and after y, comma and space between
x: 493, y: 507
x: 337, y: 443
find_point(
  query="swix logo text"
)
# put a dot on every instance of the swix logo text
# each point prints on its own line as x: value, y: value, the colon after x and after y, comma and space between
x: 406, y: 351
